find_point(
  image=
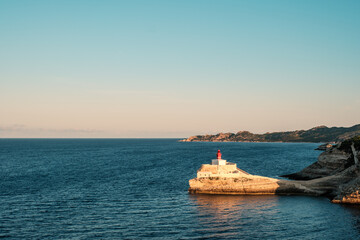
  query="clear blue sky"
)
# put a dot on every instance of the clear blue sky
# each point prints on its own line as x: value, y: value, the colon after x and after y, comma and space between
x: 176, y: 68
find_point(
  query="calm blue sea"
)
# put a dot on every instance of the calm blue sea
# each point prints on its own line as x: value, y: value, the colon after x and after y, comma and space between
x: 137, y: 189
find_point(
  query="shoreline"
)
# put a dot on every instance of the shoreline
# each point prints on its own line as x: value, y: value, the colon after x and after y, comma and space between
x: 249, y: 142
x: 336, y: 175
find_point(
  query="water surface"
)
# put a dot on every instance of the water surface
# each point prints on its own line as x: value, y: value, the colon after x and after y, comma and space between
x: 137, y: 188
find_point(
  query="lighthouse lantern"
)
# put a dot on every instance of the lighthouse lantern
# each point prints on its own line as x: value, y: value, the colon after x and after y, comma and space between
x: 218, y: 160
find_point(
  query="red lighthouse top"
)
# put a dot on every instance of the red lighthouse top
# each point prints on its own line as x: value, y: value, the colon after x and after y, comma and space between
x: 218, y: 155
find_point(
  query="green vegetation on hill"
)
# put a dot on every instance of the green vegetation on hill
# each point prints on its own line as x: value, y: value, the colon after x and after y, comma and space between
x: 316, y: 134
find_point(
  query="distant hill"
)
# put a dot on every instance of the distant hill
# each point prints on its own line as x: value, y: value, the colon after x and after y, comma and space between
x: 316, y: 134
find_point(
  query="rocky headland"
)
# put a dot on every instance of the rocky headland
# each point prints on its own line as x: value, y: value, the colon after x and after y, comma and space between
x: 336, y: 175
x: 316, y: 134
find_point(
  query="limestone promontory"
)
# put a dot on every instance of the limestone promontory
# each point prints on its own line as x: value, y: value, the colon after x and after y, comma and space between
x: 336, y: 175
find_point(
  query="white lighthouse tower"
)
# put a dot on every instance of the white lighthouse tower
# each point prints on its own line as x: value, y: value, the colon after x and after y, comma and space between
x: 218, y: 160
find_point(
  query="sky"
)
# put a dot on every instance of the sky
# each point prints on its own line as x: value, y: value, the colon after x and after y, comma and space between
x: 122, y: 69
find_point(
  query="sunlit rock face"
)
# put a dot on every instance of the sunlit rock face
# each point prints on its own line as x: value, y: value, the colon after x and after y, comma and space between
x: 247, y: 184
x: 239, y: 185
x: 349, y: 193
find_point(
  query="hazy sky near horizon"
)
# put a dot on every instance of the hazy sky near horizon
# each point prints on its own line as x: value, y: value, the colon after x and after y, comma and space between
x: 177, y: 68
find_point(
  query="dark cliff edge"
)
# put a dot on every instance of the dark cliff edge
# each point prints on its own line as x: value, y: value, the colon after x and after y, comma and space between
x: 338, y: 167
x: 317, y: 134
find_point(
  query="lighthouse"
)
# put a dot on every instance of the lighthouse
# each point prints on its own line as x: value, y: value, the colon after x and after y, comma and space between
x: 220, y: 168
x: 218, y: 160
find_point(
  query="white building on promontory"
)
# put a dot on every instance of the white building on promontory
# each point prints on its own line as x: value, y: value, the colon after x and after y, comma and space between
x: 220, y: 168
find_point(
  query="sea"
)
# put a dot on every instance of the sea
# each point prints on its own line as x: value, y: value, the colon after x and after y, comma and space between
x: 138, y: 189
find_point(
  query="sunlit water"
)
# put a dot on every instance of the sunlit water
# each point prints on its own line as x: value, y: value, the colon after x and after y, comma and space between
x: 137, y: 188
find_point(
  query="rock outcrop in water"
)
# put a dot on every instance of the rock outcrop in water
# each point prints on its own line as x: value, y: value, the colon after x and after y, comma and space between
x: 336, y: 175
x: 316, y: 134
x: 324, y: 147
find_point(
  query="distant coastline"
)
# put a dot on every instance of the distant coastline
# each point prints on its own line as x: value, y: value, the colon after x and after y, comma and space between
x: 318, y: 134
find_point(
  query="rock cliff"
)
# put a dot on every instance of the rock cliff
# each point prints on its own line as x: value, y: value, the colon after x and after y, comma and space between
x: 336, y: 175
